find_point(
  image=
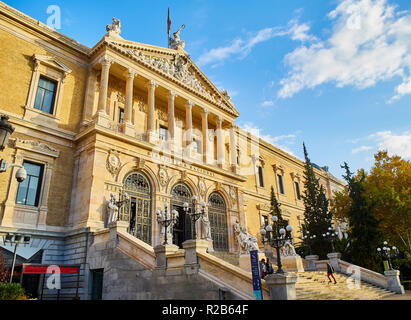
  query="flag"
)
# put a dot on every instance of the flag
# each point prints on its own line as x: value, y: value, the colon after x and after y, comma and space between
x: 168, y: 22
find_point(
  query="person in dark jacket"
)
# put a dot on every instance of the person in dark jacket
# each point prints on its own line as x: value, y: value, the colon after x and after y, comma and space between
x: 330, y: 273
x: 263, y: 269
x: 269, y: 267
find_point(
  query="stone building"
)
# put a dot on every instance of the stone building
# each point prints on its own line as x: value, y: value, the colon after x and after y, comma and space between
x: 127, y: 118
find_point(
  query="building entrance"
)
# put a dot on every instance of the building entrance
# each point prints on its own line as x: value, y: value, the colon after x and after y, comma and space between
x: 182, y: 232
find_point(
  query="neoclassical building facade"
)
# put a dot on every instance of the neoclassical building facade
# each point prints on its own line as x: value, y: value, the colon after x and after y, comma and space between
x: 127, y: 118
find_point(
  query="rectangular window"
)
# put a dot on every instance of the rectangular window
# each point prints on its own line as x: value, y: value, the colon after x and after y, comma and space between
x: 121, y: 115
x: 297, y: 190
x: 261, y: 176
x: 281, y: 184
x: 29, y: 190
x: 163, y: 133
x: 46, y: 95
x: 197, y: 145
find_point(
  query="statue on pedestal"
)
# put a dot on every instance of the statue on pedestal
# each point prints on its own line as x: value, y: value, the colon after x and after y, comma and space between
x: 112, y: 209
x: 114, y: 29
x: 288, y: 250
x: 246, y: 241
x: 203, y: 229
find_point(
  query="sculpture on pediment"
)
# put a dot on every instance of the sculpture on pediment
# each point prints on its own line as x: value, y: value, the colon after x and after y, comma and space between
x: 177, y: 43
x: 114, y: 28
x: 246, y: 241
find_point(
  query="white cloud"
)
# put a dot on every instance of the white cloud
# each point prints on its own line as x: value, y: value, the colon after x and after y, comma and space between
x: 277, y: 141
x: 399, y: 145
x: 370, y: 43
x: 267, y: 103
x: 360, y: 149
x: 241, y: 48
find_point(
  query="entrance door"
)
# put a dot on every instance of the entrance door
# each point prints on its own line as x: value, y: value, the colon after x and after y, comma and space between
x: 181, y: 194
x: 97, y: 284
x: 182, y: 230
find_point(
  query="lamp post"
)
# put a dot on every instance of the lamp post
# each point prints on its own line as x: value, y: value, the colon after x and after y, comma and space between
x: 309, y: 239
x: 387, y: 253
x: 195, y: 213
x: 330, y: 236
x: 276, y: 238
x: 6, y: 130
x: 16, y: 239
x: 166, y: 219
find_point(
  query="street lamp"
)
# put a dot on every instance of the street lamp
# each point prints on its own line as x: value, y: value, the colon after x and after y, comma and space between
x: 166, y: 219
x: 276, y: 238
x: 331, y: 235
x: 309, y: 240
x: 16, y: 239
x: 195, y: 213
x: 387, y: 253
x: 6, y: 129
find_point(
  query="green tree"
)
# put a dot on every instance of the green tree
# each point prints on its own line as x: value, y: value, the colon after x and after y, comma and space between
x: 317, y: 217
x: 363, y: 232
x: 4, y: 271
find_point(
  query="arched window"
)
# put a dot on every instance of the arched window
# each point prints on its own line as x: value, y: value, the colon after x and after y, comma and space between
x: 138, y: 210
x: 217, y: 214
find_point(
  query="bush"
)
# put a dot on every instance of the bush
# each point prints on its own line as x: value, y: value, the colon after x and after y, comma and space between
x: 405, y: 270
x: 406, y: 284
x: 11, y: 291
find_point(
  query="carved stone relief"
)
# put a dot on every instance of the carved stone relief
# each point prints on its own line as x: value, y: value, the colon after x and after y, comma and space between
x: 113, y: 164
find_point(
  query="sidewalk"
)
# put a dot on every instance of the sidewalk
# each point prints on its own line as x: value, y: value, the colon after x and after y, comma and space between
x: 406, y: 296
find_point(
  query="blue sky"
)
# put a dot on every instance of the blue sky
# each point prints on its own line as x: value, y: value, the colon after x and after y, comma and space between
x: 333, y: 73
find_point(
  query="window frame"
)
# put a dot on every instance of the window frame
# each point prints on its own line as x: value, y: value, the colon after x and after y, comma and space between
x: 281, y: 188
x: 38, y: 188
x: 261, y: 181
x: 53, y: 103
x: 297, y: 190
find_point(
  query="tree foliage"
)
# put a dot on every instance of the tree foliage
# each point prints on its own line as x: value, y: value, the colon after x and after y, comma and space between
x: 317, y: 217
x: 276, y: 210
x: 4, y: 271
x: 364, y: 234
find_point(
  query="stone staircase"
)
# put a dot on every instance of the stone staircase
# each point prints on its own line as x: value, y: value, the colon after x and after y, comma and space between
x: 315, y: 286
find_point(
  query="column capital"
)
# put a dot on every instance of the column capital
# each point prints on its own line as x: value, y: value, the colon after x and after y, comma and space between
x: 152, y: 84
x: 172, y: 94
x: 219, y: 121
x: 106, y: 61
x: 131, y: 74
x: 206, y: 111
x: 190, y: 104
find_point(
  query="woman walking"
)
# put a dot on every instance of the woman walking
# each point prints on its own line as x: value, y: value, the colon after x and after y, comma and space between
x: 330, y: 273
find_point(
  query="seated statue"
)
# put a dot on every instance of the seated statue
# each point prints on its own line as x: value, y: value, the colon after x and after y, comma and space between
x: 246, y: 241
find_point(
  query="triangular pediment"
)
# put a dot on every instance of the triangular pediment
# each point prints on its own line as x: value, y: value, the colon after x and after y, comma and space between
x: 175, y: 65
x: 52, y: 62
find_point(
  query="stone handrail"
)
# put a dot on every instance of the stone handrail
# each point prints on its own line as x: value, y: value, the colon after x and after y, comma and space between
x: 230, y: 275
x: 367, y: 275
x: 136, y: 249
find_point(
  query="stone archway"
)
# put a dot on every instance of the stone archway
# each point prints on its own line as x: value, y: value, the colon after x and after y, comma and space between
x: 217, y: 214
x: 181, y: 193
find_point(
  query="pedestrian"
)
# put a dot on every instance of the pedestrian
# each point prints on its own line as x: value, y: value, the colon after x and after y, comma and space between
x: 263, y: 269
x: 330, y: 273
x: 269, y: 267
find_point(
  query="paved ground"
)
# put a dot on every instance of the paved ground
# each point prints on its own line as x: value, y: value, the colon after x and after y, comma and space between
x: 406, y: 296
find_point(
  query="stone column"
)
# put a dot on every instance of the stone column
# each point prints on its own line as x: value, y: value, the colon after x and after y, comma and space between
x: 151, y: 106
x: 220, y: 142
x: 282, y: 286
x: 171, y: 115
x: 205, y: 134
x: 233, y: 150
x: 393, y: 280
x: 128, y: 112
x: 189, y: 122
x: 101, y: 117
x: 89, y: 97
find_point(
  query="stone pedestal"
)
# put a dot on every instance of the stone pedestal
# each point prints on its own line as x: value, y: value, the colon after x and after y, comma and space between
x: 393, y: 279
x: 311, y: 266
x: 334, y: 257
x: 128, y: 129
x: 162, y: 254
x: 116, y: 226
x: 245, y: 260
x: 101, y: 119
x: 191, y: 248
x: 292, y: 264
x: 282, y: 286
